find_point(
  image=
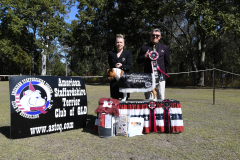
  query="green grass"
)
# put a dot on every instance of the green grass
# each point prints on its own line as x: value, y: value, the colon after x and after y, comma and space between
x: 210, y: 131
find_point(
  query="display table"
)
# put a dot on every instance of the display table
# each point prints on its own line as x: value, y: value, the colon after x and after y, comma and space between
x: 159, y: 116
x: 156, y: 118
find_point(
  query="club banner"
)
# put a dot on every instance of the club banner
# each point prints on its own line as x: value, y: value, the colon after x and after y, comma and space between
x: 45, y: 104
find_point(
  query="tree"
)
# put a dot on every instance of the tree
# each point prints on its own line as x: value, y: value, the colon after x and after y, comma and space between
x: 191, y: 29
x: 22, y: 24
x: 211, y: 19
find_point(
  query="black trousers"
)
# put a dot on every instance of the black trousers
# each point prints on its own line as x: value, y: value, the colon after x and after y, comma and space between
x: 114, y: 90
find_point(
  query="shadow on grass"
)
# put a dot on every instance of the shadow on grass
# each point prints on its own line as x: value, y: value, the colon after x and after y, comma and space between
x: 90, y: 125
x: 98, y: 84
x: 5, y: 130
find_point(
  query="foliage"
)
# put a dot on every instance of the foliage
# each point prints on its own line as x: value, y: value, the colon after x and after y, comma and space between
x: 59, y: 68
x: 22, y: 24
x: 198, y: 34
x: 54, y: 61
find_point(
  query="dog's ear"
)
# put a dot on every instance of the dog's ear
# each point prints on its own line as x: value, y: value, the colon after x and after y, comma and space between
x: 108, y: 71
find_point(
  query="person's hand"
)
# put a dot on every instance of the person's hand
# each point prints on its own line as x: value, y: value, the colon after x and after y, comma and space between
x: 118, y: 65
x: 147, y: 54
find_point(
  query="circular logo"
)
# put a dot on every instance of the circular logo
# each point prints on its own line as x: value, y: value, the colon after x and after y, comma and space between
x: 153, y: 55
x: 33, y: 98
x: 148, y: 84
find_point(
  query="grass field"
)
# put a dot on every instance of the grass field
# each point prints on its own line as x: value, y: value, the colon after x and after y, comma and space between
x: 210, y: 131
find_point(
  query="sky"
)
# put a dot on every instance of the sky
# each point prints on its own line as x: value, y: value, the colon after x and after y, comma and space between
x: 72, y: 13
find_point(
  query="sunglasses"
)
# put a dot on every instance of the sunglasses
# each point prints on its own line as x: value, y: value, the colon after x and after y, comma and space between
x: 153, y: 35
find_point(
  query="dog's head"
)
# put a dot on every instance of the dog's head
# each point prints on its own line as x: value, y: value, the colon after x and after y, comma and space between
x: 111, y: 74
x: 114, y: 73
x: 32, y: 99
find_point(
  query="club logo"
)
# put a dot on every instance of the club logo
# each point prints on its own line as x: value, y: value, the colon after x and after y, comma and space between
x: 148, y: 84
x: 32, y: 98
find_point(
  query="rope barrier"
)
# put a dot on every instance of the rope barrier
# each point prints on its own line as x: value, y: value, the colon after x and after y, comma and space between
x: 227, y: 72
x: 167, y: 73
x: 206, y: 70
x: 192, y: 71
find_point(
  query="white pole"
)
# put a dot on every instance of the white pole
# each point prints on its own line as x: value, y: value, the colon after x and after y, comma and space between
x: 66, y: 46
x: 66, y: 62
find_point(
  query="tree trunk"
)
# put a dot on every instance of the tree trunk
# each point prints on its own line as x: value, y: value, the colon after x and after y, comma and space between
x: 195, y: 74
x: 32, y: 67
x: 43, y: 64
x: 201, y: 62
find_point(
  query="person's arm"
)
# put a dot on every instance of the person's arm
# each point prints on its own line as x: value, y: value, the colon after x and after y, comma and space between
x: 142, y: 56
x: 111, y: 60
x: 128, y: 64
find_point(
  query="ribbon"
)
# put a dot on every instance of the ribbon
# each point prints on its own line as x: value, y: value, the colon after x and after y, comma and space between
x: 167, y: 121
x: 152, y: 117
x: 161, y: 71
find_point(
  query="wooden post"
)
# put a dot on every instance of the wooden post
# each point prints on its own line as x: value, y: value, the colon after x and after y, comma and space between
x: 213, y: 84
